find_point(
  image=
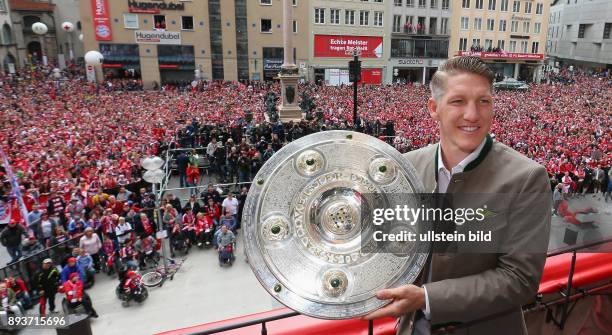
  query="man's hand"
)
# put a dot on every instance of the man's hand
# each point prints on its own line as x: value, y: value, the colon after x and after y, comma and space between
x: 407, y: 298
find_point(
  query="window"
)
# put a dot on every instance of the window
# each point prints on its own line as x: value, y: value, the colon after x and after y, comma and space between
x: 492, y: 4
x: 409, y: 21
x: 409, y: 3
x: 465, y: 23
x: 444, y: 26
x: 479, y: 4
x: 265, y: 2
x: 378, y: 19
x: 465, y: 4
x: 463, y: 44
x: 527, y: 7
x: 524, y: 45
x: 514, y: 26
x: 502, y: 25
x: 295, y: 28
x: 187, y: 22
x: 512, y: 46
x: 319, y: 16
x: 445, y: 4
x: 526, y: 27
x: 434, y: 4
x: 266, y: 25
x: 159, y: 22
x: 477, y: 23
x: 535, y: 46
x: 364, y: 17
x: 504, y: 5
x: 476, y: 42
x: 422, y: 3
x: 294, y: 2
x: 516, y: 6
x: 433, y: 25
x: 488, y: 45
x: 539, y: 8
x: 378, y: 0
x: 501, y: 44
x: 606, y: 32
x: 130, y: 21
x: 397, y: 23
x: 490, y: 24
x: 537, y: 27
x: 3, y: 5
x: 581, y: 29
x: 334, y: 16
x: 349, y: 17
x: 398, y: 3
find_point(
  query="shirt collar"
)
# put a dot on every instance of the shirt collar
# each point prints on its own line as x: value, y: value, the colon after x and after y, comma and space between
x: 465, y: 162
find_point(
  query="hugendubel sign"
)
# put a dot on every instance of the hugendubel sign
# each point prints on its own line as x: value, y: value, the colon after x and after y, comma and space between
x: 157, y: 37
x: 153, y: 7
x: 341, y: 45
x: 101, y: 20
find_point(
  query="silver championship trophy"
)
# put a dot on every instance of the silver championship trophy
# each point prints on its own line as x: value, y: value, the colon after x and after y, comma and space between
x: 308, y: 235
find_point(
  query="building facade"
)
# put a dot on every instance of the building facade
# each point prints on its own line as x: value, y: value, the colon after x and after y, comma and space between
x: 338, y: 26
x: 510, y: 35
x: 70, y: 46
x: 166, y: 42
x: 420, y: 31
x: 31, y: 47
x: 580, y: 34
x: 265, y: 36
x: 8, y: 44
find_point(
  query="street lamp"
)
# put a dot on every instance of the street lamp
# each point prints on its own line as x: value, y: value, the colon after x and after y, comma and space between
x: 93, y: 58
x: 68, y: 27
x: 155, y: 175
x: 41, y: 29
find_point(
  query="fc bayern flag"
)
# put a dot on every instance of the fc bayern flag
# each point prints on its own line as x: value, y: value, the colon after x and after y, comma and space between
x: 15, y: 186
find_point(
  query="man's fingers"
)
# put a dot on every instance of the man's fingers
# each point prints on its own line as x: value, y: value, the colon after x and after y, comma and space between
x: 391, y: 293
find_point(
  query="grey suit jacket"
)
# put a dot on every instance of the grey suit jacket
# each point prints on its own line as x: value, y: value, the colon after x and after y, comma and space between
x: 483, y: 293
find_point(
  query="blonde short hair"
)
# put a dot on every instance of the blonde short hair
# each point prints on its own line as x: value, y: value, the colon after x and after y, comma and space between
x: 458, y: 65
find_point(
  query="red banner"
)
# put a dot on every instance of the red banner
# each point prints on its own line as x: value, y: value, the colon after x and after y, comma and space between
x: 101, y: 20
x: 502, y: 55
x: 339, y: 45
x: 371, y: 76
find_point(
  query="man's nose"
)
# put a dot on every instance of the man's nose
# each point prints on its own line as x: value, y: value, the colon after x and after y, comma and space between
x: 470, y: 112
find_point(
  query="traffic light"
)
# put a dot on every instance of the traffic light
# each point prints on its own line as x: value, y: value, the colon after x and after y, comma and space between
x: 354, y: 71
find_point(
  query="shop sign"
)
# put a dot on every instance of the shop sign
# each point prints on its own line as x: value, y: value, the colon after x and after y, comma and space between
x: 410, y: 61
x: 340, y: 45
x: 503, y: 55
x: 153, y: 7
x: 157, y: 37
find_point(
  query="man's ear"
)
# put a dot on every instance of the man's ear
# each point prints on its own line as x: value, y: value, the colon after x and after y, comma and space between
x: 432, y: 106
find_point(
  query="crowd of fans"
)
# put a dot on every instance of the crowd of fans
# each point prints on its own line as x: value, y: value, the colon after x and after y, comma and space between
x: 76, y: 149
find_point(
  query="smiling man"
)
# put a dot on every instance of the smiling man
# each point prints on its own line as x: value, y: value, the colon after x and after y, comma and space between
x: 474, y: 293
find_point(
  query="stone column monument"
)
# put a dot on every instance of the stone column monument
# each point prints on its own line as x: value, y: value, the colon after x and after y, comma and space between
x: 288, y: 110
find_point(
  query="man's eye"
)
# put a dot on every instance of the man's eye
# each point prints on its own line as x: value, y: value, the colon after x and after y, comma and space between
x: 456, y: 101
x: 485, y: 101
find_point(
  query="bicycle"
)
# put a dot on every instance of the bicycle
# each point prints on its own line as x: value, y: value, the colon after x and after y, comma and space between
x: 158, y: 276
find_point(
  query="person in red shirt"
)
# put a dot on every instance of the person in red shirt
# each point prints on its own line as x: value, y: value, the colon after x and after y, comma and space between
x: 21, y: 291
x: 204, y: 229
x: 73, y: 288
x: 570, y: 216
